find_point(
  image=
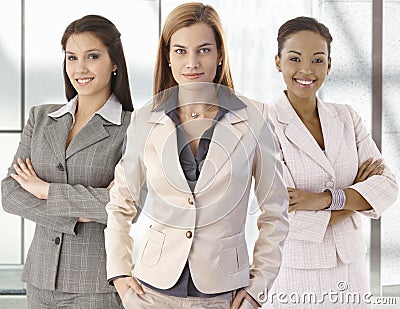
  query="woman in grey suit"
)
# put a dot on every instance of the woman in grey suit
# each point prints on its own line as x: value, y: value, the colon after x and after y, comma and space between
x: 64, y: 167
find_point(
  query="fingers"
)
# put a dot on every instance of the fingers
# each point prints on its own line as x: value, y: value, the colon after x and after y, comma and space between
x: 24, y: 170
x: 132, y: 283
x: 252, y: 301
x: 240, y: 295
x: 293, y: 198
x: 111, y: 184
x: 20, y: 172
x: 30, y: 166
x: 373, y: 168
x: 363, y: 167
x: 23, y: 167
x: 17, y: 178
x: 369, y: 168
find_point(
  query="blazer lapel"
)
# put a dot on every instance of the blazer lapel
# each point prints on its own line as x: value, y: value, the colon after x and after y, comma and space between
x: 163, y: 137
x: 297, y: 133
x: 224, y: 134
x: 91, y: 133
x: 333, y: 131
x: 57, y: 134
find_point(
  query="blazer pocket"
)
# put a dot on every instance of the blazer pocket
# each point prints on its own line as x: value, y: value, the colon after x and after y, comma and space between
x: 152, y: 249
x: 233, y: 255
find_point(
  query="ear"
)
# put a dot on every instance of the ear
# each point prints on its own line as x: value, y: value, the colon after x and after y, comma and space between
x: 114, y: 68
x: 278, y: 63
x: 220, y: 57
x: 329, y: 66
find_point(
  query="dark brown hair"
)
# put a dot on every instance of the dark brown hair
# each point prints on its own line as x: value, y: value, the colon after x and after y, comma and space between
x: 109, y: 35
x: 302, y: 23
x: 182, y: 16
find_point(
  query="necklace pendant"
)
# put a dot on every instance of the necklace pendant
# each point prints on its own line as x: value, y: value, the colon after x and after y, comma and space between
x: 194, y: 115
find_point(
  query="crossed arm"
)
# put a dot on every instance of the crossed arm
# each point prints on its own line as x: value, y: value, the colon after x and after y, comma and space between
x: 306, y: 200
x: 27, y: 178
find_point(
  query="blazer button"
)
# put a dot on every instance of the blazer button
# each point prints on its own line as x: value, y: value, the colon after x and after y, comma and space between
x: 57, y: 240
x: 60, y: 167
x: 190, y: 201
x: 329, y: 184
x: 189, y: 234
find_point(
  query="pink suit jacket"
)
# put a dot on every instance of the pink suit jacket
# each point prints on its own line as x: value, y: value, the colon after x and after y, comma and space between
x: 311, y: 243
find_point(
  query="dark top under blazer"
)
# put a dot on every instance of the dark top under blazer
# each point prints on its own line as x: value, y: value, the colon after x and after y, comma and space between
x: 67, y: 255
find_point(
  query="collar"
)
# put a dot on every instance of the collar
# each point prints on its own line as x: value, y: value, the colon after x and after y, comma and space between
x: 110, y: 111
x: 286, y: 113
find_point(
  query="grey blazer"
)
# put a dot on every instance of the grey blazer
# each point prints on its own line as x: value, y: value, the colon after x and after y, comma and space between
x: 65, y: 254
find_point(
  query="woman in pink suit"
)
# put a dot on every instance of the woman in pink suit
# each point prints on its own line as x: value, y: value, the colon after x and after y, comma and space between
x: 334, y: 174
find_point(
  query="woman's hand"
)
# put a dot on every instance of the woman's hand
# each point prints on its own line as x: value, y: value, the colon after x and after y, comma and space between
x: 368, y: 169
x: 239, y: 298
x: 306, y: 200
x: 84, y: 220
x: 27, y: 178
x: 125, y: 283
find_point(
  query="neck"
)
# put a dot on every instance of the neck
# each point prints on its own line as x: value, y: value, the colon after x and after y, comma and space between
x: 88, y: 105
x: 306, y: 108
x: 191, y: 96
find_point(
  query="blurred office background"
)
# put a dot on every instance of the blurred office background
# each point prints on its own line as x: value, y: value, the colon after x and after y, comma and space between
x: 31, y: 74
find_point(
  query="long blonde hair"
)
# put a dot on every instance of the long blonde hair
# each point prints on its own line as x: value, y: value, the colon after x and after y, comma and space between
x: 185, y: 15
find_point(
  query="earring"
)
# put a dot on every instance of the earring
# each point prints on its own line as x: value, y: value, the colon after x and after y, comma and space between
x: 220, y: 63
x: 169, y: 64
x: 115, y: 73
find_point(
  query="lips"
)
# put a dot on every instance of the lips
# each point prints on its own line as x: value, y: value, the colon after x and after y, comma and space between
x: 83, y: 81
x: 193, y: 75
x: 304, y: 82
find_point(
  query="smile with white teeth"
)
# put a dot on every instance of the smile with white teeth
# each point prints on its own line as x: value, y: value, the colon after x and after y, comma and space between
x: 83, y: 80
x: 304, y: 82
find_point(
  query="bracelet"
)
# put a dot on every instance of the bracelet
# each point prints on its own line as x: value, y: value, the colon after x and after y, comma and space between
x: 338, y: 199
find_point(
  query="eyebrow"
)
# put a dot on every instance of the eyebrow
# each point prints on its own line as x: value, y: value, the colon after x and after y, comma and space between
x: 87, y: 51
x: 200, y: 46
x: 298, y: 53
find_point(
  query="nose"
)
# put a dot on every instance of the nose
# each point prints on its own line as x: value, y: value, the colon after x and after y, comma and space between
x: 81, y: 67
x: 306, y: 68
x: 193, y: 61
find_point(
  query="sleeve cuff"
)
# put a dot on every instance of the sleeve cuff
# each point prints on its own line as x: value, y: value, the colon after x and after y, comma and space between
x: 111, y: 280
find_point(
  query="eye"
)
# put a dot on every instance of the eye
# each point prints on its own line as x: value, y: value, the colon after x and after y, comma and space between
x: 294, y: 59
x: 180, y: 51
x: 71, y: 58
x: 93, y: 56
x: 318, y: 60
x: 204, y: 50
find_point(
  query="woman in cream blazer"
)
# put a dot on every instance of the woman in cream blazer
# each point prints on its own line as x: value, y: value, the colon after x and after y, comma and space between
x: 324, y: 146
x: 194, y: 253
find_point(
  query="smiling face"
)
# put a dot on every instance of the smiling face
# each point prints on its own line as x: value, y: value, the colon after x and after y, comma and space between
x: 89, y: 66
x: 194, y: 54
x: 304, y: 64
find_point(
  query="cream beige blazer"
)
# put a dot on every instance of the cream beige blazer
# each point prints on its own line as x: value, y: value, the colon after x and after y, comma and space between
x: 206, y: 228
x: 311, y: 243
